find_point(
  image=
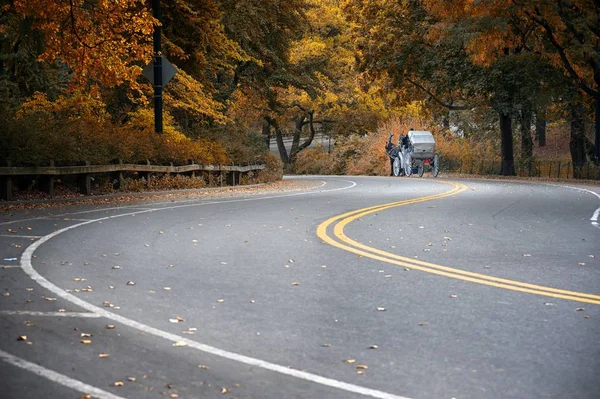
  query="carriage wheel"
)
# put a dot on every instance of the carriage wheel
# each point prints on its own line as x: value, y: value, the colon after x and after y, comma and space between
x: 397, y: 166
x: 407, y: 164
x: 436, y: 165
x: 421, y: 168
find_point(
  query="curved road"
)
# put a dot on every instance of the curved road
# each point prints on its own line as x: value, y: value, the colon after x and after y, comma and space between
x: 360, y: 287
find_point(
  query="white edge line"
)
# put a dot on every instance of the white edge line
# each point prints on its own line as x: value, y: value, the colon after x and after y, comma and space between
x: 50, y: 314
x: 594, y: 218
x: 17, y: 236
x: 129, y: 207
x: 57, y: 377
x: 303, y: 375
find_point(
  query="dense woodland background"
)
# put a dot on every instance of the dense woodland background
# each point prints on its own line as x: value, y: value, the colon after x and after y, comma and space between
x: 513, y: 81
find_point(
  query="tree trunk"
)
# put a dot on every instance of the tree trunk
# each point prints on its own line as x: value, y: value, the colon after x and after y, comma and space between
x: 540, y: 126
x: 526, y: 140
x: 266, y: 132
x: 299, y: 125
x: 577, y: 143
x: 279, y: 137
x: 508, y: 160
x: 597, y: 126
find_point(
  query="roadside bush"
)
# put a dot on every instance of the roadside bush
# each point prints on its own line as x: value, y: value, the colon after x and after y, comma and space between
x: 314, y: 161
x: 273, y: 170
x: 162, y: 182
x: 77, y: 128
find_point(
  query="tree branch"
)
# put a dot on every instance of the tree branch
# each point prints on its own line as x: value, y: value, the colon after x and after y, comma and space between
x: 539, y: 19
x: 437, y: 100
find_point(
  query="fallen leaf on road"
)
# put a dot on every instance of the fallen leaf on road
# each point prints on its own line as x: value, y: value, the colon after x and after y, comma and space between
x: 252, y: 301
x: 350, y: 361
x: 362, y: 367
x: 579, y: 309
x: 203, y: 367
x: 103, y: 355
x: 116, y: 267
x: 132, y: 379
x: 360, y: 372
x: 85, y: 335
x: 131, y: 283
x: 110, y: 326
x: 28, y: 323
x: 86, y: 341
x: 85, y: 397
x: 6, y: 294
x: 180, y: 343
x: 118, y: 384
x: 22, y: 338
x: 224, y: 390
x: 373, y: 347
x: 48, y: 298
x: 220, y: 300
x: 453, y: 296
x: 173, y: 395
x: 423, y: 323
x: 581, y: 263
x: 447, y: 239
x: 527, y: 255
x: 223, y: 263
x: 167, y: 288
x: 326, y: 345
x: 296, y: 283
x: 379, y: 309
x: 586, y: 316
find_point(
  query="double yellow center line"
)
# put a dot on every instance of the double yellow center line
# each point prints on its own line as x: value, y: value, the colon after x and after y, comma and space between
x: 340, y: 240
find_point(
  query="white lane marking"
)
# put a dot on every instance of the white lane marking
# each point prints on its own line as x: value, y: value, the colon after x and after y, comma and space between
x: 48, y: 314
x: 34, y: 275
x: 62, y: 218
x: 594, y: 218
x: 57, y: 377
x: 18, y: 236
x: 128, y: 207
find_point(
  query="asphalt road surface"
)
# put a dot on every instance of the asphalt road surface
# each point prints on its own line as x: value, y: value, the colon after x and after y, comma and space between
x: 362, y: 287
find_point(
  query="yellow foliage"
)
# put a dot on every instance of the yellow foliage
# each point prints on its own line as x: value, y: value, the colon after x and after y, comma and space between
x: 77, y: 128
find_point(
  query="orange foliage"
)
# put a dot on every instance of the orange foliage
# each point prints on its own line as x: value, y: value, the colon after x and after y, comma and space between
x: 101, y: 41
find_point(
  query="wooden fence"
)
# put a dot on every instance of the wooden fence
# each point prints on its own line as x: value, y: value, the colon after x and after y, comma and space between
x: 47, y: 174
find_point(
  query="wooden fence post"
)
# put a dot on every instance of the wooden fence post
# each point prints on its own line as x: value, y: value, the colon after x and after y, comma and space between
x: 84, y: 181
x: 6, y: 186
x: 118, y: 176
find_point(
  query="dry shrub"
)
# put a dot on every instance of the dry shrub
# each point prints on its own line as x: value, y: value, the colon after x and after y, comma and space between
x: 273, y: 170
x: 465, y: 150
x: 314, y: 161
x: 163, y: 182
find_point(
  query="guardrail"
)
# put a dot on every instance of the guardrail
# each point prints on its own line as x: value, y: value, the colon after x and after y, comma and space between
x: 83, y: 173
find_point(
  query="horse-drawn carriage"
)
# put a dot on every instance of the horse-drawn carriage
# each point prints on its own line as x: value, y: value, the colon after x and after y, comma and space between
x: 413, y: 152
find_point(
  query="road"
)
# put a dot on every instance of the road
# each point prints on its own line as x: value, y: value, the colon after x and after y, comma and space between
x: 361, y: 287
